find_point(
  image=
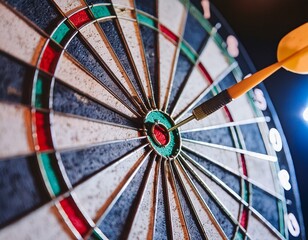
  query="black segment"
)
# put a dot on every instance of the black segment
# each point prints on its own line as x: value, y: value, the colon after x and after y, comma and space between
x: 149, y: 38
x: 89, y: 2
x: 148, y: 6
x: 228, y: 81
x: 81, y: 164
x: 80, y: 51
x: 195, y: 34
x: 221, y: 136
x: 184, y: 66
x: 16, y: 78
x: 265, y: 204
x: 231, y: 180
x: 160, y: 231
x: 67, y: 100
x: 21, y: 188
x: 113, y: 225
x: 253, y: 139
x: 41, y: 12
x: 114, y: 37
x: 194, y: 229
x: 221, y: 217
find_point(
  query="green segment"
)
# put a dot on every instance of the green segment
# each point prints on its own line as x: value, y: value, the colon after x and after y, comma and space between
x: 96, y: 235
x: 51, y: 173
x: 42, y: 87
x: 61, y: 32
x: 188, y: 52
x: 173, y: 147
x: 101, y: 11
x: 239, y: 236
x: 145, y: 20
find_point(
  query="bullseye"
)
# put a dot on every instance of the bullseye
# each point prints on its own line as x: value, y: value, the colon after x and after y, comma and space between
x: 156, y: 125
x: 160, y: 134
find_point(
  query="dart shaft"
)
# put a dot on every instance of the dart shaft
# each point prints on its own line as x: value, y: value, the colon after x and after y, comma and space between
x: 206, y: 108
x: 212, y: 105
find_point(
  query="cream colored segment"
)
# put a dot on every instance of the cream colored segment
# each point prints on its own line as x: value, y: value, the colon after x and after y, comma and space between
x: 219, y: 156
x: 241, y: 109
x: 142, y: 227
x: 172, y: 14
x: 209, y: 224
x: 195, y: 85
x: 43, y: 223
x: 167, y: 58
x: 71, y: 132
x: 229, y: 203
x: 260, y: 172
x: 69, y: 6
x: 97, y: 193
x: 15, y: 129
x: 24, y: 43
x: 131, y: 32
x: 219, y: 117
x: 213, y: 59
x: 179, y: 230
x: 104, y: 50
x: 126, y: 3
x: 255, y: 229
x: 70, y: 73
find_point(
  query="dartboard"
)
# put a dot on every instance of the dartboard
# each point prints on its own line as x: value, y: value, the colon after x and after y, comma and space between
x: 88, y: 91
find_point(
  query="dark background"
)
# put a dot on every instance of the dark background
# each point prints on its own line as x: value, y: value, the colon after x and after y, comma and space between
x: 260, y: 24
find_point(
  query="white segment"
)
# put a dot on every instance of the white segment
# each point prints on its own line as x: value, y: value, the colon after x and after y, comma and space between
x: 73, y: 75
x: 210, y: 225
x: 195, y: 86
x: 178, y: 223
x: 167, y: 59
x: 213, y: 59
x: 102, y: 47
x: 69, y: 6
x: 258, y: 171
x: 43, y: 223
x: 255, y: 229
x: 71, y: 132
x: 132, y: 36
x: 97, y: 193
x: 15, y: 129
x: 142, y: 227
x: 241, y: 109
x: 218, y: 117
x: 224, y: 197
x: 221, y: 157
x: 24, y: 44
x: 172, y: 14
x: 125, y: 3
x: 261, y: 173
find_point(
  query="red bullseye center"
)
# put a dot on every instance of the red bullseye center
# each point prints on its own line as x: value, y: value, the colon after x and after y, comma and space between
x: 161, y: 134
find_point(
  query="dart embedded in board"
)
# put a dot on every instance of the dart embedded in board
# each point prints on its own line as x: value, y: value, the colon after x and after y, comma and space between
x: 292, y: 54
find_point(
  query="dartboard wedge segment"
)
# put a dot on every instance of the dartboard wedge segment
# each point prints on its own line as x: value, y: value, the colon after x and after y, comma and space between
x: 88, y: 91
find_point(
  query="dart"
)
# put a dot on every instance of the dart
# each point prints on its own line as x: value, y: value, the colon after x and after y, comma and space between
x: 292, y: 55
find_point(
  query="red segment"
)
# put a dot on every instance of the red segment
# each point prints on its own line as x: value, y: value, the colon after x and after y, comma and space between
x: 161, y: 134
x: 49, y: 59
x: 244, y: 218
x: 244, y: 167
x: 168, y: 33
x: 75, y: 216
x: 43, y: 131
x: 80, y: 18
x: 205, y: 73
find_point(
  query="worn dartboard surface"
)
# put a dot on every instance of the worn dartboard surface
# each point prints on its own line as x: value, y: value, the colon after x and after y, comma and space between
x: 88, y: 90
